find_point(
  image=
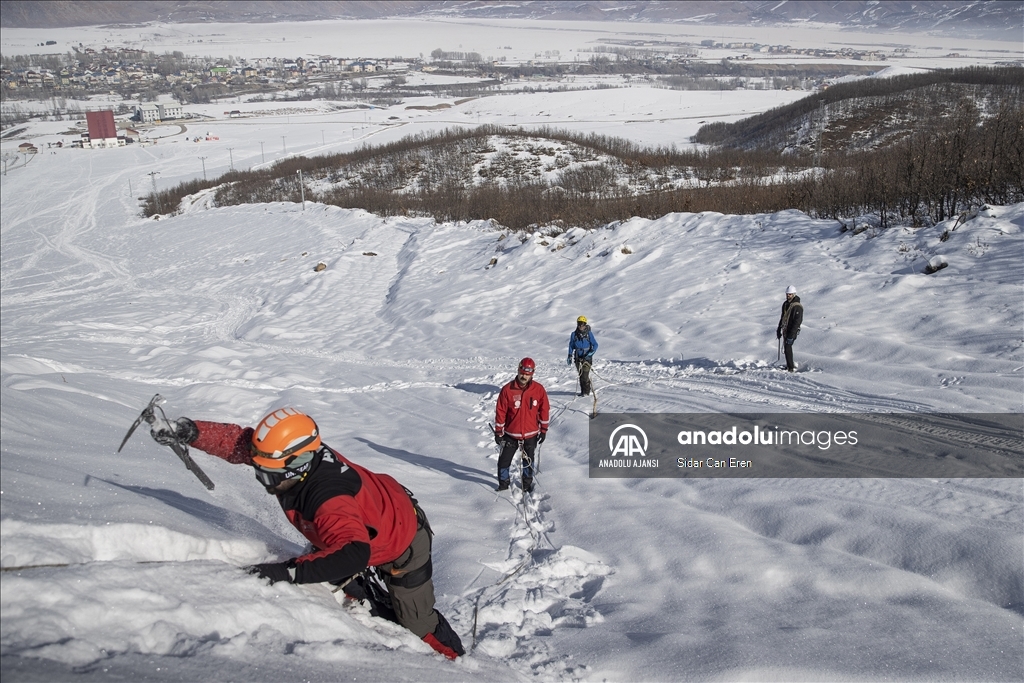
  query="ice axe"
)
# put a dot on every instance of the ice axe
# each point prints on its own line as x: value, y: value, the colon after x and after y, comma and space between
x: 148, y: 414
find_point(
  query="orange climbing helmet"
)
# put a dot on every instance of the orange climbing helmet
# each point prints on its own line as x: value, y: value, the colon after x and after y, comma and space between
x: 284, y: 440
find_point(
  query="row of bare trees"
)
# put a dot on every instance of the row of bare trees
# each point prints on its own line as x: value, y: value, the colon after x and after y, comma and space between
x: 928, y: 176
x: 964, y: 159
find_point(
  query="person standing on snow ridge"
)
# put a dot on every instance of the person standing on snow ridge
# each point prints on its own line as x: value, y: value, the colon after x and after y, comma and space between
x: 520, y: 419
x: 354, y: 518
x: 789, y: 324
x: 582, y: 346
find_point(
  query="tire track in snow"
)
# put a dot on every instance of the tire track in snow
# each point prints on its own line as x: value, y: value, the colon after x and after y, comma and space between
x: 696, y: 383
x: 59, y: 229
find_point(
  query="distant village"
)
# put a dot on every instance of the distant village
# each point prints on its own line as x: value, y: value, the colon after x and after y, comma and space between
x: 91, y: 70
x: 143, y: 76
x: 107, y: 68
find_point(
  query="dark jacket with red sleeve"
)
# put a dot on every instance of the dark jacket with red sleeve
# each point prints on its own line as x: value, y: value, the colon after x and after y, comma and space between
x: 353, y: 517
x: 521, y: 412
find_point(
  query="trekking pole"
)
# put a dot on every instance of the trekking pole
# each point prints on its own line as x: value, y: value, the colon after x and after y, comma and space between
x: 778, y: 356
x: 524, y: 461
x: 498, y: 446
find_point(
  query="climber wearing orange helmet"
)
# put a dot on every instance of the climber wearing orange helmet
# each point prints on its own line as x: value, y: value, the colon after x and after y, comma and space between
x: 520, y: 419
x: 354, y: 518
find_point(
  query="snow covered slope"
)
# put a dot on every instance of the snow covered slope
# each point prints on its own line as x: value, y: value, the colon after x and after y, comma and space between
x: 398, y: 349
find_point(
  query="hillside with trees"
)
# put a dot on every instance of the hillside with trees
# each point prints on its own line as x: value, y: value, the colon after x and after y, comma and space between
x: 932, y: 148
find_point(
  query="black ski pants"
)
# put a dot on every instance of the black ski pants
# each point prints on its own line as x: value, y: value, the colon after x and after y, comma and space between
x: 508, y: 450
x: 790, y: 365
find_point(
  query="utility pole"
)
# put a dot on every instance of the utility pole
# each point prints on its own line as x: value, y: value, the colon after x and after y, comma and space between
x: 203, y: 159
x: 302, y: 189
x: 284, y: 146
x: 264, y: 158
x: 231, y: 157
x: 156, y: 197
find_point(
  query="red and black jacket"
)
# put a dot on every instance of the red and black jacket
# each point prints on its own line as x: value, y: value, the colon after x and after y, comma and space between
x: 354, y: 518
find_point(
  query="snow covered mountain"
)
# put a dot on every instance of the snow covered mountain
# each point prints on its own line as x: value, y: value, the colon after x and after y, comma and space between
x: 955, y: 18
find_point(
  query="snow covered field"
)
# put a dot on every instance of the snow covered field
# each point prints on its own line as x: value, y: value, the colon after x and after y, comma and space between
x: 516, y: 40
x: 398, y: 350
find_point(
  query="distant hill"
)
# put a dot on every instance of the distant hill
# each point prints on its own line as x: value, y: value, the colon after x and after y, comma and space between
x: 913, y: 150
x: 989, y: 18
x: 869, y: 113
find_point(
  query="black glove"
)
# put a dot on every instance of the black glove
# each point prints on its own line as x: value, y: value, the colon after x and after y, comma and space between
x: 499, y: 439
x: 182, y: 430
x: 541, y: 437
x: 274, y: 571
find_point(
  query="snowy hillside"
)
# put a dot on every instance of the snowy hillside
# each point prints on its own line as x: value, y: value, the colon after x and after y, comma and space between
x: 122, y: 566
x: 398, y: 349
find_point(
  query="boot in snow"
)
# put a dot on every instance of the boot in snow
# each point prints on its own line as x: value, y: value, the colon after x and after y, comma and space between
x: 444, y: 639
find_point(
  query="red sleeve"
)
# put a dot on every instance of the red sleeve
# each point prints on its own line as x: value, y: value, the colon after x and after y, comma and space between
x: 544, y: 412
x: 500, y: 411
x: 226, y: 441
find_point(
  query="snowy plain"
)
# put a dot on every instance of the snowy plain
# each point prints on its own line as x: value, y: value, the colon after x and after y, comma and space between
x: 398, y: 350
x: 515, y: 40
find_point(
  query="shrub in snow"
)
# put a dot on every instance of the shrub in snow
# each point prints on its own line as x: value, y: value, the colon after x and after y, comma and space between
x: 935, y: 264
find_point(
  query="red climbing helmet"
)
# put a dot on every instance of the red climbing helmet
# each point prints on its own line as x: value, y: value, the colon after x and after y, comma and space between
x: 527, y: 366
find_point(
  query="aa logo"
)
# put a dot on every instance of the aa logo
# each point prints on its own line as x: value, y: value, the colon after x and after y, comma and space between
x: 628, y: 441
